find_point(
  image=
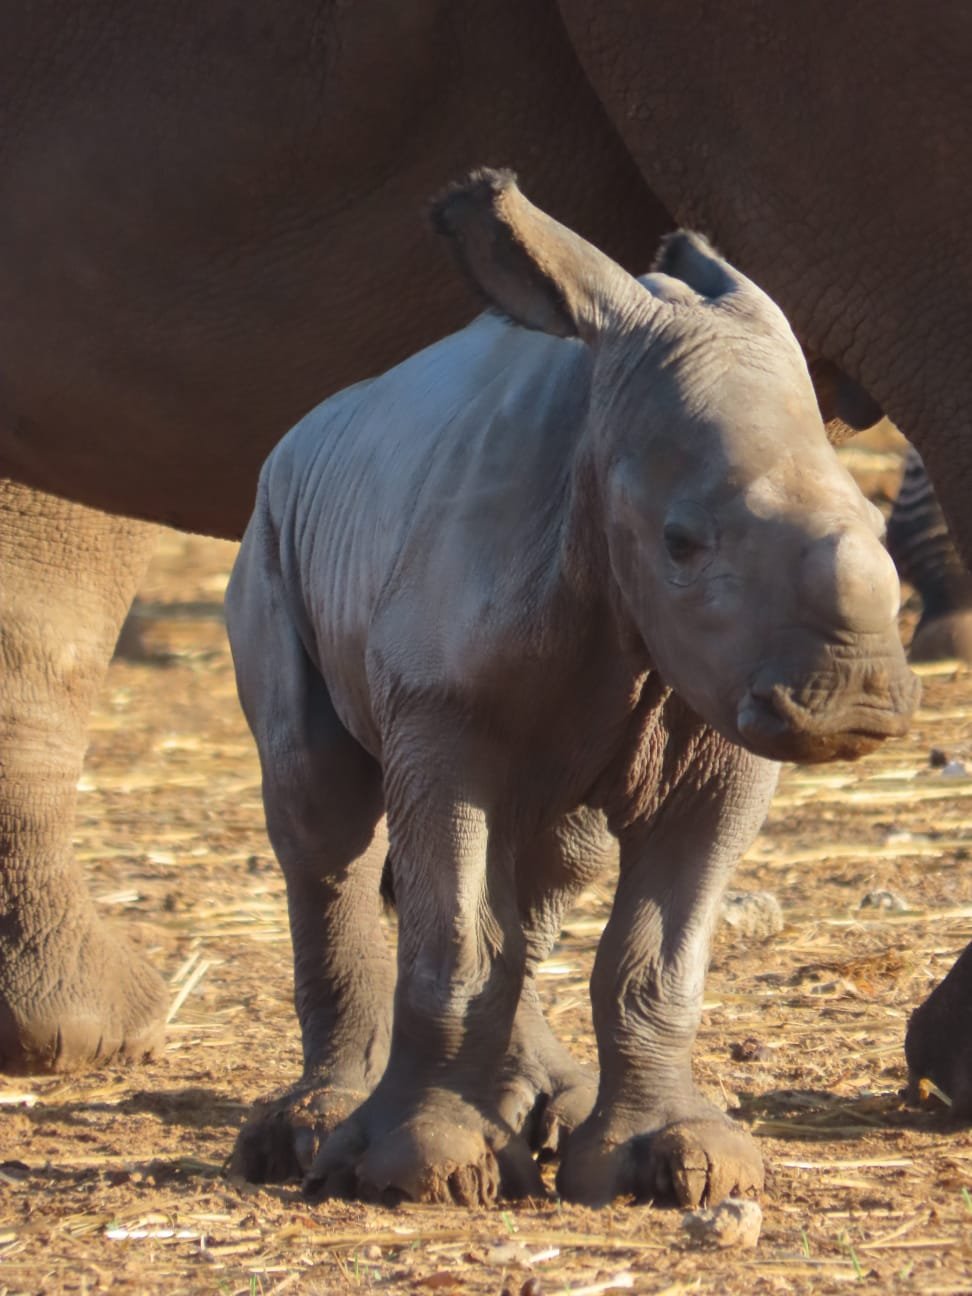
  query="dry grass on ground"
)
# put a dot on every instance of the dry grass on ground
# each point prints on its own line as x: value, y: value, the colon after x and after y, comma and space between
x: 114, y: 1181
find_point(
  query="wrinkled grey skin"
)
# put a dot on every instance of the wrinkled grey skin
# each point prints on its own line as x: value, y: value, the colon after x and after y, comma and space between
x: 521, y: 595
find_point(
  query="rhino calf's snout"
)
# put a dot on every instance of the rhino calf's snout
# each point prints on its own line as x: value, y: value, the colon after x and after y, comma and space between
x: 850, y: 709
x: 836, y: 684
x: 848, y: 582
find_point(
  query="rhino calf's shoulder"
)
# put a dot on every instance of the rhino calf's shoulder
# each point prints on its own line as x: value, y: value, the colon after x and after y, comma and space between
x: 529, y: 597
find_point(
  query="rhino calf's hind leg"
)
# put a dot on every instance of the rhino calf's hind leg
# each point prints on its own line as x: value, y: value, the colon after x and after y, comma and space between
x: 323, y: 798
x: 651, y: 1133
x: 544, y: 1091
x: 72, y: 992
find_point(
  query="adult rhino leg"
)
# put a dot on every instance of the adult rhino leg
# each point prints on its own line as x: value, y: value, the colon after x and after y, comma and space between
x: 72, y: 991
x: 921, y: 544
x: 323, y: 798
x: 431, y: 1130
x: 544, y: 1091
x: 938, y: 1045
x: 651, y: 1132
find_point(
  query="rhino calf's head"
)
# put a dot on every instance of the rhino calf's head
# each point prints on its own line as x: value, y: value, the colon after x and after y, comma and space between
x: 739, y: 549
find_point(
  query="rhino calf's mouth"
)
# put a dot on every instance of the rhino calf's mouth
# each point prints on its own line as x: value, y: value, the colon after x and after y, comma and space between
x: 775, y: 724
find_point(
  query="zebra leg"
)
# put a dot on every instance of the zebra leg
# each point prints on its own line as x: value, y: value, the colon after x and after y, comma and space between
x: 925, y: 554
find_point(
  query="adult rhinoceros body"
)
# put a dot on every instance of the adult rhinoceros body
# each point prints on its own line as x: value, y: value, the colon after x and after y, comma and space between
x: 208, y: 222
x: 524, y: 594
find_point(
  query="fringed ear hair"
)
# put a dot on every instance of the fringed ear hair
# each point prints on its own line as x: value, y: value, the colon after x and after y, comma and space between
x: 690, y: 257
x: 526, y: 264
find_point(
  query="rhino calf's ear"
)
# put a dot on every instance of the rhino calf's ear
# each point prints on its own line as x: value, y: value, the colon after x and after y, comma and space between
x: 475, y: 215
x: 691, y: 258
x: 526, y: 264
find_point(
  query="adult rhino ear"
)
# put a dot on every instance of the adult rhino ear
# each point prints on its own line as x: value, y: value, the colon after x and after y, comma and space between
x: 527, y: 265
x: 690, y: 257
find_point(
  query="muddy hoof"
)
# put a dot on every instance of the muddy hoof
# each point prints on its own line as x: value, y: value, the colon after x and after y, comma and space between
x: 556, y: 1117
x: 96, y: 1001
x: 545, y: 1108
x: 685, y: 1163
x: 938, y: 1045
x: 441, y: 1151
x: 285, y: 1131
x: 544, y: 1093
x: 693, y: 1163
x: 942, y: 638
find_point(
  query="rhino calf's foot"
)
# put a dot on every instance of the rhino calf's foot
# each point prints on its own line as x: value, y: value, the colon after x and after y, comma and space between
x: 433, y: 1148
x: 284, y: 1131
x: 544, y: 1093
x: 85, y: 997
x: 694, y: 1160
x: 545, y: 1111
x: 938, y: 1045
x: 698, y: 1162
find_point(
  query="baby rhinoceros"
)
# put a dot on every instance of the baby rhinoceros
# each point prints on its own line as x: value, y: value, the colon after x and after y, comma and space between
x: 535, y: 597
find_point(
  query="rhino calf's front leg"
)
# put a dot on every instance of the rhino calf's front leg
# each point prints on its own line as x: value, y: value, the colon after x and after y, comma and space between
x: 651, y: 1133
x: 431, y: 1130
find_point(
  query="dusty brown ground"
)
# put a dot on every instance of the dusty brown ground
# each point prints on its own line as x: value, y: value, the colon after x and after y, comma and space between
x: 115, y: 1180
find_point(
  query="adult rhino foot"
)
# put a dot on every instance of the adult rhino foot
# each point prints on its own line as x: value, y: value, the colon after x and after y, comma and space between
x: 943, y: 637
x: 285, y: 1131
x: 544, y: 1093
x: 65, y: 1006
x: 938, y: 1045
x: 436, y: 1148
x: 699, y: 1160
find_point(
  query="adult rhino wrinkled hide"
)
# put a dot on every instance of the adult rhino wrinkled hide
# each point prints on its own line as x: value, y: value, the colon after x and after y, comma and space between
x: 532, y: 597
x: 208, y: 224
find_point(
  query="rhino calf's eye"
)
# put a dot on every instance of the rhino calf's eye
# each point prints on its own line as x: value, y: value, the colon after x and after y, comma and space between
x: 681, y: 544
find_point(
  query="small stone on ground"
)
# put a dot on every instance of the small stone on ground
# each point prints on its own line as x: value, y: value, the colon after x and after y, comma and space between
x: 736, y: 1222
x: 887, y: 900
x: 753, y: 914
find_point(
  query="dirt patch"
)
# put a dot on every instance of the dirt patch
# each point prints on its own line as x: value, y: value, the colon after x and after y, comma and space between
x: 115, y: 1181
